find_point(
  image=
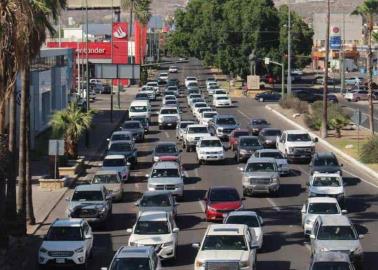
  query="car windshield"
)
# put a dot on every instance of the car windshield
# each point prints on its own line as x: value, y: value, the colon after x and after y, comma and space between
x: 123, y: 147
x: 205, y: 109
x: 271, y: 132
x: 209, y: 115
x: 131, y: 264
x: 151, y: 227
x: 261, y: 167
x: 237, y: 134
x: 171, y: 102
x: 184, y: 125
x: 220, y: 92
x: 142, y: 120
x: 90, y: 195
x: 64, y: 234
x: 222, y: 98
x: 138, y: 108
x: 168, y: 111
x: 160, y: 200
x: 131, y: 125
x: 141, y: 96
x: 105, y: 179
x: 158, y: 173
x: 114, y: 162
x: 169, y: 96
x: 200, y: 105
x: 224, y: 195
x: 276, y: 155
x: 323, y: 208
x: 326, y: 181
x: 194, y: 130
x: 336, y: 233
x: 211, y: 143
x: 195, y: 96
x: 172, y: 88
x: 166, y: 148
x: 326, y: 162
x: 246, y: 142
x: 331, y: 266
x: 121, y: 137
x: 226, y: 121
x: 224, y: 242
x: 298, y: 137
x: 259, y: 122
x: 249, y: 220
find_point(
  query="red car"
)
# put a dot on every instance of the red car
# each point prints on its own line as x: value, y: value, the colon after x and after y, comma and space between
x: 220, y: 201
x: 233, y: 139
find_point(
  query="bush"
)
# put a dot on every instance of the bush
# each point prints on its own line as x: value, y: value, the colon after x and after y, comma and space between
x: 369, y: 151
x: 291, y: 102
x: 337, y: 118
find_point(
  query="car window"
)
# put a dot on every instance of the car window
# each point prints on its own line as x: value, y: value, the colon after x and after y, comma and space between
x: 331, y: 266
x: 323, y: 208
x: 193, y: 130
x: 160, y: 200
x: 271, y: 132
x: 131, y: 125
x: 105, y: 179
x: 259, y: 122
x: 298, y: 137
x: 245, y: 142
x: 64, y: 234
x: 88, y: 196
x: 237, y: 134
x: 151, y: 227
x: 114, y: 162
x: 249, y: 220
x: 224, y: 242
x: 261, y: 167
x: 157, y: 173
x: 326, y: 181
x: 223, y: 195
x: 276, y: 155
x: 166, y: 148
x: 209, y: 115
x: 226, y: 121
x: 211, y: 143
x: 336, y: 233
x: 138, y: 108
x: 326, y: 161
x: 169, y: 111
x: 120, y: 147
x: 184, y: 125
x: 131, y: 264
x: 121, y: 137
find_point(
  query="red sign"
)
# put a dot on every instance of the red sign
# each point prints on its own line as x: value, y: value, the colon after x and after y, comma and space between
x: 96, y: 50
x: 120, y: 43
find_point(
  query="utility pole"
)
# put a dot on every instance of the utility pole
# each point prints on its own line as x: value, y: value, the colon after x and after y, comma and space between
x: 289, y: 50
x: 324, y: 128
x: 342, y: 57
x: 87, y: 68
x: 111, y: 87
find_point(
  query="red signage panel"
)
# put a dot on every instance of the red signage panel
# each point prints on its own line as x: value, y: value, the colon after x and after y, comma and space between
x: 120, y: 43
x: 96, y: 50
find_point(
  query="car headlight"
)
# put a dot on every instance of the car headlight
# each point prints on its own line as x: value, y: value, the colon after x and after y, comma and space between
x: 199, y: 264
x: 358, y: 250
x: 43, y: 250
x: 244, y: 264
x: 268, y: 141
x: 291, y: 149
x: 133, y: 244
x: 309, y: 222
x: 324, y: 249
x: 220, y: 129
x: 211, y: 209
x: 274, y: 179
x: 102, y: 210
x: 167, y: 244
x: 79, y: 250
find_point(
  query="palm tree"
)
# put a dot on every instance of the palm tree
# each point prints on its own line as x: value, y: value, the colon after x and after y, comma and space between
x: 143, y: 16
x: 368, y: 10
x: 71, y: 124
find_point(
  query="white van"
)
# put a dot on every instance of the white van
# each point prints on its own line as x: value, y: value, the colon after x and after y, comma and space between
x: 140, y: 108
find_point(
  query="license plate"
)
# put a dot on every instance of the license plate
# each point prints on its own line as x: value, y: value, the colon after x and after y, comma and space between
x: 169, y: 124
x: 213, y: 157
x: 303, y: 156
x: 60, y: 260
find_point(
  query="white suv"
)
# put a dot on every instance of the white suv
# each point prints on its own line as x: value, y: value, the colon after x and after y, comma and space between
x: 326, y: 184
x: 231, y: 246
x: 68, y: 241
x: 135, y: 258
x: 168, y: 116
x: 209, y: 149
x: 157, y: 229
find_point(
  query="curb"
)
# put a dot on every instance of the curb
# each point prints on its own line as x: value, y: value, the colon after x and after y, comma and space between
x: 355, y: 162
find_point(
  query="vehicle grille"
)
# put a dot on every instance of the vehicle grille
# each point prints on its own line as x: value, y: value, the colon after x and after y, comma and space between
x: 170, y: 118
x: 227, y: 130
x: 211, y: 153
x: 197, y: 138
x: 60, y: 253
x: 304, y: 150
x: 87, y: 213
x: 224, y: 211
x: 260, y: 181
x: 165, y: 187
x: 222, y: 266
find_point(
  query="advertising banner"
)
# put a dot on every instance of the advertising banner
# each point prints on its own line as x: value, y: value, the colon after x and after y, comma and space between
x: 96, y: 50
x: 120, y: 43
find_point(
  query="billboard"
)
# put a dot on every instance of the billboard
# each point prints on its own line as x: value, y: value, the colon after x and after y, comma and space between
x: 96, y: 50
x: 120, y: 43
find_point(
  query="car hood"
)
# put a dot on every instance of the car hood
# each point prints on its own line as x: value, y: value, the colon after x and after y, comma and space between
x: 220, y: 255
x: 211, y: 149
x: 269, y: 138
x: 300, y: 144
x: 86, y: 205
x: 326, y: 190
x: 227, y: 126
x: 200, y: 135
x: 62, y: 245
x: 250, y: 148
x: 135, y: 130
x: 113, y: 187
x: 156, y: 208
x: 165, y: 180
x: 115, y: 168
x: 151, y: 239
x: 281, y: 161
x: 329, y: 169
x: 335, y: 245
x: 261, y: 174
x: 125, y: 153
x: 225, y: 205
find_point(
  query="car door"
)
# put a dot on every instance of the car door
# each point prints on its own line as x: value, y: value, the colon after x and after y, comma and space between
x: 281, y: 143
x: 251, y: 241
x: 88, y: 237
x: 304, y: 212
x: 314, y: 232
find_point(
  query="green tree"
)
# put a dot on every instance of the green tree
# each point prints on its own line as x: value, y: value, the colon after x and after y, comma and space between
x: 70, y: 124
x: 368, y: 10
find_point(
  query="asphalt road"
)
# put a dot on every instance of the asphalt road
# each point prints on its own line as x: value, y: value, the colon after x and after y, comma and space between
x: 284, y: 245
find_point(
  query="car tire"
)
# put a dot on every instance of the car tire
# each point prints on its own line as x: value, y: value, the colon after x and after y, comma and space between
x: 357, y: 99
x: 246, y: 193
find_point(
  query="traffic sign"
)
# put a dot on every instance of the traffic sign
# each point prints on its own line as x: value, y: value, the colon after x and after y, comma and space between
x: 335, y: 42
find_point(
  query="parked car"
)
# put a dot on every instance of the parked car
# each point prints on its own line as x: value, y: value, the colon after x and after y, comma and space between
x: 134, y: 127
x: 357, y: 95
x: 325, y: 162
x: 135, y: 258
x: 160, y: 200
x: 245, y: 147
x: 260, y: 175
x: 268, y: 96
x: 226, y: 246
x: 221, y: 200
x: 249, y: 218
x: 306, y: 95
x: 257, y: 124
x: 126, y: 149
x: 90, y: 202
x: 165, y: 149
x: 68, y: 242
x: 268, y: 136
x: 112, y: 181
x: 235, y: 134
x: 158, y: 229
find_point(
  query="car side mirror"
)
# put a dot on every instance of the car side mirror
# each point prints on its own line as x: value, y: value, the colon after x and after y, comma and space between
x: 303, y: 211
x: 254, y: 245
x: 361, y: 236
x: 129, y: 230
x: 136, y: 203
x: 128, y: 163
x: 175, y: 230
x: 108, y: 139
x: 108, y: 197
x: 312, y: 236
x: 147, y: 175
x: 315, y: 140
x: 344, y: 212
x: 261, y: 221
x: 241, y: 169
x: 88, y: 236
x: 196, y: 245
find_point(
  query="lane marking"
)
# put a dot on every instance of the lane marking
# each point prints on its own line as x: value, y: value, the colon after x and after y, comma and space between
x: 196, y: 173
x: 186, y: 174
x: 273, y: 204
x: 202, y: 205
x: 363, y: 180
x: 243, y: 114
x: 166, y: 134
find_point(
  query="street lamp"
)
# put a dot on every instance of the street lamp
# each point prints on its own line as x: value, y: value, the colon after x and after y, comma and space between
x: 268, y: 61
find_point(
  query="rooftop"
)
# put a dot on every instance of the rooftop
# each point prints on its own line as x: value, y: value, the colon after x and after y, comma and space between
x: 226, y: 229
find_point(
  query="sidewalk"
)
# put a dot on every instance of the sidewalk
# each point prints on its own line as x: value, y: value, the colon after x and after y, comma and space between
x: 45, y: 201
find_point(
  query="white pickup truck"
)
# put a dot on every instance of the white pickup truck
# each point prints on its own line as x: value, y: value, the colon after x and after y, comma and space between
x: 296, y: 145
x: 192, y: 135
